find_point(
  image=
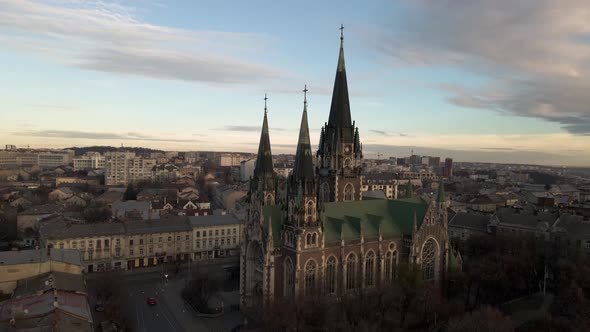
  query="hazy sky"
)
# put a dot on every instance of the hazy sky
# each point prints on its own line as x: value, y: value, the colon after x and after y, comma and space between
x: 500, y: 80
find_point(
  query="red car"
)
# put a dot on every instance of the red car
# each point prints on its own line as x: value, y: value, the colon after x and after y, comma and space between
x: 151, y: 301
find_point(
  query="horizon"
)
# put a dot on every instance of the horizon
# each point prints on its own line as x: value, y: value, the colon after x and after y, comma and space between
x: 176, y: 77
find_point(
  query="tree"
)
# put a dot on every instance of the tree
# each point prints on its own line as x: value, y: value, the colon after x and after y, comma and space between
x: 96, y: 213
x: 486, y: 319
x: 199, y: 291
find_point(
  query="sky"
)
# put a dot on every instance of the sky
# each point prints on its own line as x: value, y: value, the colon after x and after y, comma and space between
x: 476, y: 80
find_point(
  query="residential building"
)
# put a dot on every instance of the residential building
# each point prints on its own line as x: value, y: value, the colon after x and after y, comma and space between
x: 230, y: 159
x: 463, y: 225
x: 122, y: 168
x: 215, y: 236
x: 386, y: 182
x: 448, y: 169
x: 247, y: 169
x: 91, y: 160
x: 54, y: 158
x: 165, y: 173
x: 133, y: 210
x: 18, y: 265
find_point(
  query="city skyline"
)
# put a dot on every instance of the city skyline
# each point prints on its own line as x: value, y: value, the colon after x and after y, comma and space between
x: 172, y: 77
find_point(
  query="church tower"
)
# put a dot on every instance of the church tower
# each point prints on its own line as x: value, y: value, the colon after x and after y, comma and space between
x: 340, y: 151
x: 302, y: 190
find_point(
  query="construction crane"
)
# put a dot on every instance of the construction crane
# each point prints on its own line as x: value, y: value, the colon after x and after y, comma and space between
x: 379, y: 154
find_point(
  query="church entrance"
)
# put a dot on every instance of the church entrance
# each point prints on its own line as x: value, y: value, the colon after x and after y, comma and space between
x: 254, y: 274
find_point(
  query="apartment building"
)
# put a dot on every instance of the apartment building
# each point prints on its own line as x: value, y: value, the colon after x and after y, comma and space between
x: 122, y: 168
x: 91, y: 160
x: 54, y: 159
x: 385, y: 182
x: 231, y: 159
x: 144, y: 243
x: 46, y: 159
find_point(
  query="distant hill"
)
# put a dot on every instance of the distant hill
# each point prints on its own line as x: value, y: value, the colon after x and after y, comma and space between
x: 103, y: 149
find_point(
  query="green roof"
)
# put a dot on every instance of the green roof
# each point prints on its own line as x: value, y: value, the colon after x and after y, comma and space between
x: 389, y: 218
x: 346, y: 220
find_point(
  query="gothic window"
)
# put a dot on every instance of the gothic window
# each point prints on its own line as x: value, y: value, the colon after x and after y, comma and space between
x: 309, y: 211
x: 350, y: 272
x: 310, y: 277
x: 269, y: 200
x: 348, y: 192
x: 370, y: 269
x: 325, y: 193
x: 331, y: 275
x: 314, y: 239
x: 390, y: 263
x: 291, y: 203
x: 429, y: 260
x: 308, y: 239
x: 289, y: 278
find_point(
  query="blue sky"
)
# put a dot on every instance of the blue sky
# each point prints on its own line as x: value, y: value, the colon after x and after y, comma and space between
x: 461, y: 79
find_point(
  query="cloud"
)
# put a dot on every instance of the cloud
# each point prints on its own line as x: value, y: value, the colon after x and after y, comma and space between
x: 248, y: 128
x: 98, y: 135
x: 109, y: 37
x: 534, y: 53
x: 386, y: 133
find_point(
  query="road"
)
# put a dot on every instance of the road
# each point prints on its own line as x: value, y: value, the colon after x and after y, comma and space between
x: 149, y: 318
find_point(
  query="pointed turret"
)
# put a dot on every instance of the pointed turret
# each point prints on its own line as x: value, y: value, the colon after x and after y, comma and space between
x: 340, y: 108
x: 440, y: 197
x: 303, y: 169
x: 264, y: 158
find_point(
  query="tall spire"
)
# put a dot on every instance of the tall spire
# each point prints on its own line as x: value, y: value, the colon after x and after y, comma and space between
x: 340, y: 108
x: 303, y: 169
x: 264, y: 158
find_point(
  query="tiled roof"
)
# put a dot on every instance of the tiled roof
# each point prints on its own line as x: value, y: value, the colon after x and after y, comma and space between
x: 70, y: 256
x: 213, y: 220
x: 470, y: 220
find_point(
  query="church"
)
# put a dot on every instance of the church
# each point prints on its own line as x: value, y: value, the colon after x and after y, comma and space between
x: 316, y: 236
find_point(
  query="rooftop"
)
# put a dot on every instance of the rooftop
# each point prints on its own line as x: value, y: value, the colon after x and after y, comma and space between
x: 213, y: 220
x: 39, y: 256
x: 64, y: 230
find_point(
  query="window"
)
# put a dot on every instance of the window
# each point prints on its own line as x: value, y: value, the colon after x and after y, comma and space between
x: 198, y: 244
x: 289, y: 279
x: 140, y: 241
x: 314, y: 239
x: 223, y: 232
x: 177, y: 237
x: 269, y: 199
x: 186, y: 237
x: 216, y: 242
x: 331, y: 275
x: 151, y: 240
x: 216, y: 232
x: 310, y: 209
x: 150, y: 250
x: 141, y: 251
x: 222, y: 242
x: 61, y: 245
x: 210, y: 242
x: 370, y: 269
x: 160, y: 239
x: 234, y: 240
x: 350, y: 272
x: 390, y: 262
x: 428, y: 260
x: 130, y: 242
x: 308, y: 239
x: 74, y: 244
x: 198, y: 234
x: 210, y: 233
x: 348, y: 192
x: 234, y: 231
x: 90, y: 243
x: 310, y: 277
x: 170, y: 239
x: 118, y: 242
x: 131, y: 252
x: 106, y: 243
x: 587, y: 244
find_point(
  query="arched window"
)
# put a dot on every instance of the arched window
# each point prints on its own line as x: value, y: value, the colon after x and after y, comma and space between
x: 325, y: 193
x: 350, y: 282
x: 348, y: 192
x: 429, y: 253
x: 331, y: 275
x: 291, y: 203
x: 308, y: 239
x: 370, y: 269
x: 314, y: 239
x: 390, y: 263
x: 289, y: 278
x: 310, y: 277
x: 269, y: 199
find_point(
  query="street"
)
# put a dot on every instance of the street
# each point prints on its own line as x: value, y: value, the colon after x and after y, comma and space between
x: 147, y: 317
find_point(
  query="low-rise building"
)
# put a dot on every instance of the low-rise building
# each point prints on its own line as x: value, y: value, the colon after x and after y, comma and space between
x: 17, y: 265
x: 215, y: 236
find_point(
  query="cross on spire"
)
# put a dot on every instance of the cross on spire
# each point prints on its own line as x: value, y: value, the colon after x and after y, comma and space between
x: 305, y: 94
x: 265, y: 99
x: 341, y: 32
